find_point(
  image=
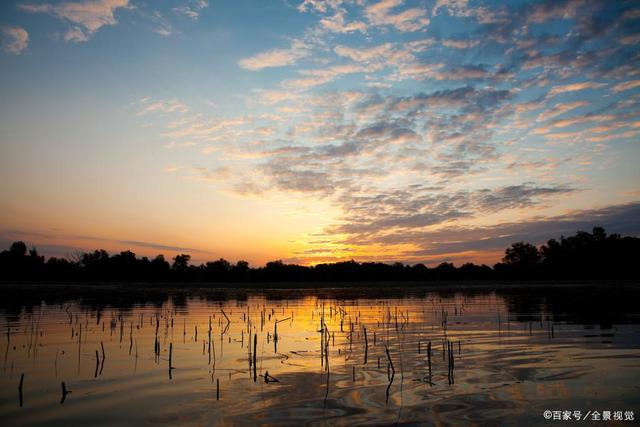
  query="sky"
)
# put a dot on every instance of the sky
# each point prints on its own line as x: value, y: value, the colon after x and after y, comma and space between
x: 317, y: 130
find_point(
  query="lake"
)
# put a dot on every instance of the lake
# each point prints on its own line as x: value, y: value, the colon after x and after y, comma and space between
x: 444, y: 355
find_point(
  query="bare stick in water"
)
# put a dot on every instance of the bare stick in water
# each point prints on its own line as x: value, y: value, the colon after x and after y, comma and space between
x: 20, y: 388
x: 255, y: 352
x: 429, y: 359
x: 225, y: 316
x: 366, y: 345
x: 393, y: 372
x: 103, y: 357
x: 64, y: 392
x: 269, y: 379
x: 170, y: 359
x: 386, y: 349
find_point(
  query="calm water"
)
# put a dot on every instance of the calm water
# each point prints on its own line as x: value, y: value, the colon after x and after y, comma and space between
x: 497, y: 356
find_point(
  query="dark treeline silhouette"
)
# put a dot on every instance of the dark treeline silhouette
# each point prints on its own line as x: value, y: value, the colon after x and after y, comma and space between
x: 593, y: 255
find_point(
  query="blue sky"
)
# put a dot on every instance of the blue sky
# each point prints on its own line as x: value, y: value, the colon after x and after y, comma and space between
x: 418, y: 131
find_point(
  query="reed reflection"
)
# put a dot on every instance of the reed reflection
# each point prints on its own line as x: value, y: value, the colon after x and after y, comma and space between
x: 312, y: 355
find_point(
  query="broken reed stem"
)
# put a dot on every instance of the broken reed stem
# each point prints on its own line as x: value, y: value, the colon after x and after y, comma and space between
x: 64, y: 392
x: 393, y: 372
x: 171, y: 361
x: 366, y: 344
x: 386, y: 349
x: 225, y: 316
x: 103, y: 357
x: 217, y: 388
x: 20, y: 388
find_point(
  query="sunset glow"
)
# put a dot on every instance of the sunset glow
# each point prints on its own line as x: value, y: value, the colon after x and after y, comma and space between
x: 317, y: 130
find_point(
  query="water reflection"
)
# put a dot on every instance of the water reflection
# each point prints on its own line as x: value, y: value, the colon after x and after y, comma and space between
x: 442, y: 356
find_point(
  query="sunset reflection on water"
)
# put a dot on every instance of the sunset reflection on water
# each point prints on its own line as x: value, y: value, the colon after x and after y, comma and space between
x: 514, y: 355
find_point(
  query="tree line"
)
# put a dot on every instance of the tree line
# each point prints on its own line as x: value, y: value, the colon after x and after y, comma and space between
x: 594, y: 255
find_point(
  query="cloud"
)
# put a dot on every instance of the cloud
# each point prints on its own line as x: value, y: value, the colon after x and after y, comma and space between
x: 456, y: 240
x: 276, y: 57
x: 515, y: 196
x: 408, y: 20
x: 88, y: 16
x: 399, y: 57
x: 621, y: 87
x: 579, y: 120
x: 319, y: 5
x: 160, y: 24
x: 158, y: 246
x: 443, y: 72
x: 575, y: 87
x: 560, y: 108
x: 272, y: 97
x: 192, y: 8
x: 467, y: 98
x: 365, y: 54
x: 337, y: 23
x: 555, y: 9
x: 75, y: 35
x: 631, y: 40
x: 615, y: 136
x: 460, y: 44
x: 419, y: 207
x: 461, y: 9
x: 317, y: 77
x: 453, y: 7
x: 65, y: 245
x: 14, y: 39
x: 215, y: 174
x: 478, y: 136
x: 149, y: 106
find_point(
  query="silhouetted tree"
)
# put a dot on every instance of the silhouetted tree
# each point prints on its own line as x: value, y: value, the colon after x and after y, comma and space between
x: 159, y: 268
x: 218, y: 271
x: 584, y: 255
x: 181, y: 263
x: 240, y: 271
x: 470, y: 271
x: 521, y: 254
x: 444, y: 271
x: 594, y: 255
x: 18, y: 249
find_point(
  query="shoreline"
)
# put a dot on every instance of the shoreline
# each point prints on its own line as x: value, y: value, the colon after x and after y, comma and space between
x: 378, y: 285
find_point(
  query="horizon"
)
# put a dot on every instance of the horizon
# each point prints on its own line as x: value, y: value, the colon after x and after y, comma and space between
x: 315, y: 131
x: 597, y: 234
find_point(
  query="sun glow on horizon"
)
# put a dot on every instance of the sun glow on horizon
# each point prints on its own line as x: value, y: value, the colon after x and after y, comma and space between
x: 411, y: 131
